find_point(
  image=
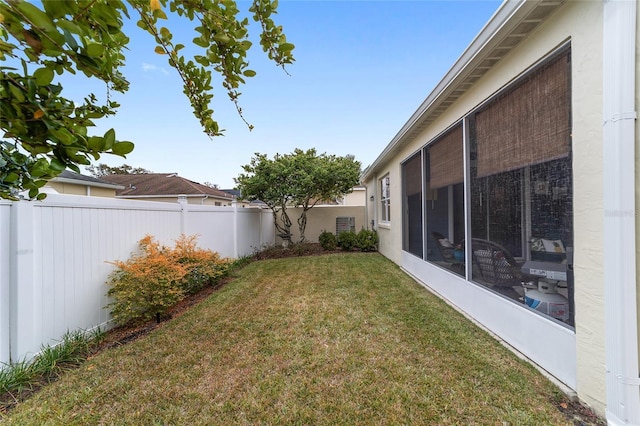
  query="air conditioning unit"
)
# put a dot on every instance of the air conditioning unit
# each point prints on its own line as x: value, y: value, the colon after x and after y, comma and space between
x: 345, y: 224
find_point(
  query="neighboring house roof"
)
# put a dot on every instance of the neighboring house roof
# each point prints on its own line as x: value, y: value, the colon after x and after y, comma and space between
x: 68, y: 176
x: 234, y: 192
x: 162, y: 185
x: 512, y: 23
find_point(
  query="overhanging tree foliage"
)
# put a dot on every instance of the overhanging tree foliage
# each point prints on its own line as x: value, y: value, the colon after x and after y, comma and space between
x: 44, y: 133
x: 300, y: 179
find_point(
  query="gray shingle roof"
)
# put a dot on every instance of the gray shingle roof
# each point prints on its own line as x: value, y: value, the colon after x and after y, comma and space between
x: 162, y: 184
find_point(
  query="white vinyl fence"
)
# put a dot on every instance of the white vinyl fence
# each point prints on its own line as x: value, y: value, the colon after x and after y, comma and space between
x: 54, y: 254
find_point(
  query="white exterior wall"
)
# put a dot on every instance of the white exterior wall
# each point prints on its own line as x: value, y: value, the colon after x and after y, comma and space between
x: 355, y: 198
x: 54, y: 254
x: 578, y: 359
x: 389, y: 233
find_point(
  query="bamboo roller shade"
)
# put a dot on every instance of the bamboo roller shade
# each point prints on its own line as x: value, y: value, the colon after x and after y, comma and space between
x: 413, y: 175
x: 529, y: 124
x: 445, y: 159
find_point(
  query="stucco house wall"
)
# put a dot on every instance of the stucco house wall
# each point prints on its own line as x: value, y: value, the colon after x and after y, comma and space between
x: 72, y: 189
x: 355, y: 198
x: 581, y: 24
x: 323, y: 218
x: 71, y: 183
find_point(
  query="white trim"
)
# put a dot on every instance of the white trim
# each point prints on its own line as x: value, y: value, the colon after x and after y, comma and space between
x: 619, y: 250
x: 87, y: 183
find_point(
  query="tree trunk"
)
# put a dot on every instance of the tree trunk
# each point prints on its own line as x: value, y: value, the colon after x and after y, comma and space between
x: 284, y: 229
x: 302, y: 224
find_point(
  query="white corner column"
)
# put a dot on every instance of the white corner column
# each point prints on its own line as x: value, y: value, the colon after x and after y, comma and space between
x: 619, y: 139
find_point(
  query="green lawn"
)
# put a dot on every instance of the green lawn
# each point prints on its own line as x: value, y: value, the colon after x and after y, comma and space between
x: 321, y: 340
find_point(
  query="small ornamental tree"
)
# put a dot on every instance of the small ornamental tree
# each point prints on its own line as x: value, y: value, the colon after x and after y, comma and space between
x: 44, y: 133
x: 300, y: 179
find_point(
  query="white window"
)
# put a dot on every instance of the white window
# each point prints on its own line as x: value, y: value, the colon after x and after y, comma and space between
x: 385, y: 196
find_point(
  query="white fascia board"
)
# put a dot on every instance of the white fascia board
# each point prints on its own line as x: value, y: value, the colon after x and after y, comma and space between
x: 87, y: 183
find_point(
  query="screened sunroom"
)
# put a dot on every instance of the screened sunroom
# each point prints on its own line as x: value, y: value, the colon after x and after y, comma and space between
x: 490, y: 198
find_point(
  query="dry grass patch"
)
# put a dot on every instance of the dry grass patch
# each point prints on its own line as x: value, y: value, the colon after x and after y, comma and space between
x: 336, y: 339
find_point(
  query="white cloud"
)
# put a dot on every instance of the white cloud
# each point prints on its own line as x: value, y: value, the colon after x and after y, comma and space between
x: 152, y: 68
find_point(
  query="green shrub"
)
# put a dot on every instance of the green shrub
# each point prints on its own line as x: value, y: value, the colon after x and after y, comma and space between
x: 204, y: 267
x: 347, y: 240
x: 367, y: 240
x: 327, y: 240
x: 148, y: 284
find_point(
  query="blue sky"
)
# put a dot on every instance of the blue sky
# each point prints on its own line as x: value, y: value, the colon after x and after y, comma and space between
x: 362, y: 68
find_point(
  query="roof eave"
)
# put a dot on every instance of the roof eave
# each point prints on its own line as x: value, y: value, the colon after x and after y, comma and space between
x: 87, y: 183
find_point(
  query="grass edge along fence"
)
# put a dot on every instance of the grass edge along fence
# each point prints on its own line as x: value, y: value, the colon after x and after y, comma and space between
x: 19, y: 379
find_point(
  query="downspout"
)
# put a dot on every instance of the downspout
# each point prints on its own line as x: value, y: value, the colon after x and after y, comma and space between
x: 619, y: 138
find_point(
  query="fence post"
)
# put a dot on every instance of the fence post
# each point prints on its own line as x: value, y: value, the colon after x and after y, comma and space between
x: 24, y: 304
x: 5, y: 282
x: 184, y: 211
x: 234, y: 205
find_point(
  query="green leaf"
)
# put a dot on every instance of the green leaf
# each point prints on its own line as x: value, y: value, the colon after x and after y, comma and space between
x: 109, y: 139
x: 164, y: 32
x: 55, y: 8
x: 11, y: 177
x: 62, y: 135
x: 159, y: 14
x: 95, y: 50
x: 43, y: 76
x: 160, y: 50
x: 200, y: 41
x: 57, y: 165
x: 70, y: 26
x: 143, y: 24
x: 71, y: 41
x: 122, y: 148
x: 36, y: 16
x: 222, y: 38
x: 96, y: 143
x: 286, y: 47
x: 17, y: 93
x: 249, y: 73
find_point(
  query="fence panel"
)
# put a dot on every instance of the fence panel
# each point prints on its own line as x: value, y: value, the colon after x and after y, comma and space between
x: 214, y: 227
x: 54, y: 254
x: 248, y: 240
x: 60, y: 281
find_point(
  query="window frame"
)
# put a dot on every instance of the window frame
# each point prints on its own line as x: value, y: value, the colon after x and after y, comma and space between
x: 385, y: 199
